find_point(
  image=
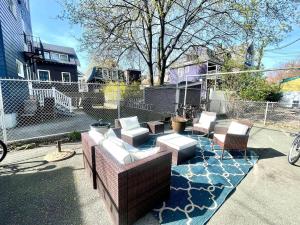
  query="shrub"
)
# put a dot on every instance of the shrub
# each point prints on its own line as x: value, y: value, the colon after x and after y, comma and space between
x: 74, y: 136
x: 252, y: 87
x: 111, y: 91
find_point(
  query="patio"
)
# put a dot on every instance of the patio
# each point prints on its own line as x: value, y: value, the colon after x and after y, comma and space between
x: 34, y: 191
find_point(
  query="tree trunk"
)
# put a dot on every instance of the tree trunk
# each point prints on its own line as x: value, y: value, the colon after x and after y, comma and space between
x: 150, y: 68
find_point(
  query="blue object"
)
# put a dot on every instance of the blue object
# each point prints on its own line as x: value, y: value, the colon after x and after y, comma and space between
x: 201, y: 186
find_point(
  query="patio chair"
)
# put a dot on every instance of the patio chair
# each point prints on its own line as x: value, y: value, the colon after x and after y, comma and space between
x: 235, y: 137
x: 131, y: 131
x: 129, y: 187
x: 206, y: 123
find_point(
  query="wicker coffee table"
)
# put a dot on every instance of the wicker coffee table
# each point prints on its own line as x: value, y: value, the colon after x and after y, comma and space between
x: 182, y: 148
x: 156, y: 127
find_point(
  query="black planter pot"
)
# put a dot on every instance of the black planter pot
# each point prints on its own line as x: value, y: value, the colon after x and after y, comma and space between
x: 101, y: 127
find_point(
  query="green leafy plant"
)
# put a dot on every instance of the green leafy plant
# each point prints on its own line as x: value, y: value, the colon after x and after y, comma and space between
x: 74, y: 136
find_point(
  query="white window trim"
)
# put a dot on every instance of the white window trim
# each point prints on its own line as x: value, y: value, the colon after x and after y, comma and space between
x: 19, y: 63
x: 28, y: 72
x: 115, y: 75
x: 106, y: 76
x: 54, y: 53
x: 27, y: 4
x: 13, y: 8
x: 38, y: 73
x: 64, y: 55
x: 181, y: 71
x: 62, y: 77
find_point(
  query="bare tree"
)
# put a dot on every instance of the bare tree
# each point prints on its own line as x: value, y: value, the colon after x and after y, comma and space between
x: 161, y: 31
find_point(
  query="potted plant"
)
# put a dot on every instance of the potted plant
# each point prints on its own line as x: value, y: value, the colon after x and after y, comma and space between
x: 178, y: 124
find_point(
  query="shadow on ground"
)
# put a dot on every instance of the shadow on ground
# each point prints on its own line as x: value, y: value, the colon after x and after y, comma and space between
x: 267, y: 153
x: 44, y: 197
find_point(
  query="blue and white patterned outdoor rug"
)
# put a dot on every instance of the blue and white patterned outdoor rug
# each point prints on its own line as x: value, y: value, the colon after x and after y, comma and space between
x: 201, y: 185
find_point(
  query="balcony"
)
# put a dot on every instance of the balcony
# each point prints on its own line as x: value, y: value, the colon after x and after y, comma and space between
x: 33, y: 47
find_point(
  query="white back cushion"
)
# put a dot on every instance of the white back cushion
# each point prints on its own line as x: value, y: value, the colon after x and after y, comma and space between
x: 129, y: 123
x: 97, y: 137
x: 237, y: 128
x: 204, y: 118
x: 110, y: 133
x: 119, y: 153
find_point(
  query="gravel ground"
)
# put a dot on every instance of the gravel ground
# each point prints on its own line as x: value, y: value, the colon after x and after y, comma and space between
x: 36, y: 192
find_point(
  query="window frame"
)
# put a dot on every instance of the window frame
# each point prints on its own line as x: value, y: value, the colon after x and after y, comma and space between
x: 60, y: 54
x: 62, y: 77
x: 105, y: 74
x: 26, y: 2
x: 45, y: 52
x: 21, y: 65
x: 38, y: 73
x: 12, y: 6
x: 54, y: 53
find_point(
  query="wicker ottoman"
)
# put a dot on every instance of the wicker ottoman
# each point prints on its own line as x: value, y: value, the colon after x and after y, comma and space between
x: 182, y: 148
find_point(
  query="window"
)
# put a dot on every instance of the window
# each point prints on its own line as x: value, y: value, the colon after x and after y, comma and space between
x: 63, y: 57
x: 180, y: 71
x: 27, y: 4
x: 105, y: 73
x: 13, y: 7
x: 20, y: 68
x: 44, y: 75
x: 115, y: 75
x: 47, y: 55
x: 66, y: 77
x: 54, y: 56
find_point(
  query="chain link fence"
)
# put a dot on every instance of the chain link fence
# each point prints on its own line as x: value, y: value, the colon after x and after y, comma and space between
x: 36, y: 109
x: 273, y: 114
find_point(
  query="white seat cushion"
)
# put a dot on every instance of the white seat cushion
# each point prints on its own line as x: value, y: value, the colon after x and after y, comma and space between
x: 134, y: 132
x: 141, y: 154
x: 129, y: 123
x: 237, y: 128
x: 220, y: 137
x: 205, y: 125
x: 97, y: 137
x: 119, y: 153
x: 177, y: 141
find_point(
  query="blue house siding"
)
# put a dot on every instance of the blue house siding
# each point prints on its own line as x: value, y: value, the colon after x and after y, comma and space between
x: 2, y: 56
x: 14, y: 94
x: 13, y: 29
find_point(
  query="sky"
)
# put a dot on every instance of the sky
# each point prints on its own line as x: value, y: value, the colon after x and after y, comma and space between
x: 53, y: 30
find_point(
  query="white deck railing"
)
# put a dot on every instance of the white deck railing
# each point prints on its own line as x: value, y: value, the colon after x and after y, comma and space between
x: 60, y: 98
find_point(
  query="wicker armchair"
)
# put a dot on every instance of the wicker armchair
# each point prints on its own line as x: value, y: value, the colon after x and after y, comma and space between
x: 229, y: 140
x: 206, y: 123
x: 131, y: 190
x: 133, y: 139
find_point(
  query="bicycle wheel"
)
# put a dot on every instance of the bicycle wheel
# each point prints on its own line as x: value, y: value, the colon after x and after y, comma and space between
x: 3, y: 150
x: 294, y: 153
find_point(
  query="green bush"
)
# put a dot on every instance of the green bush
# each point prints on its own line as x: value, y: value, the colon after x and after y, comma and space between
x: 74, y: 136
x: 252, y: 87
x: 111, y: 91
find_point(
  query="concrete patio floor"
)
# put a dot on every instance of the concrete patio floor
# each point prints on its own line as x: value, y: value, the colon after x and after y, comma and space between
x: 36, y: 192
